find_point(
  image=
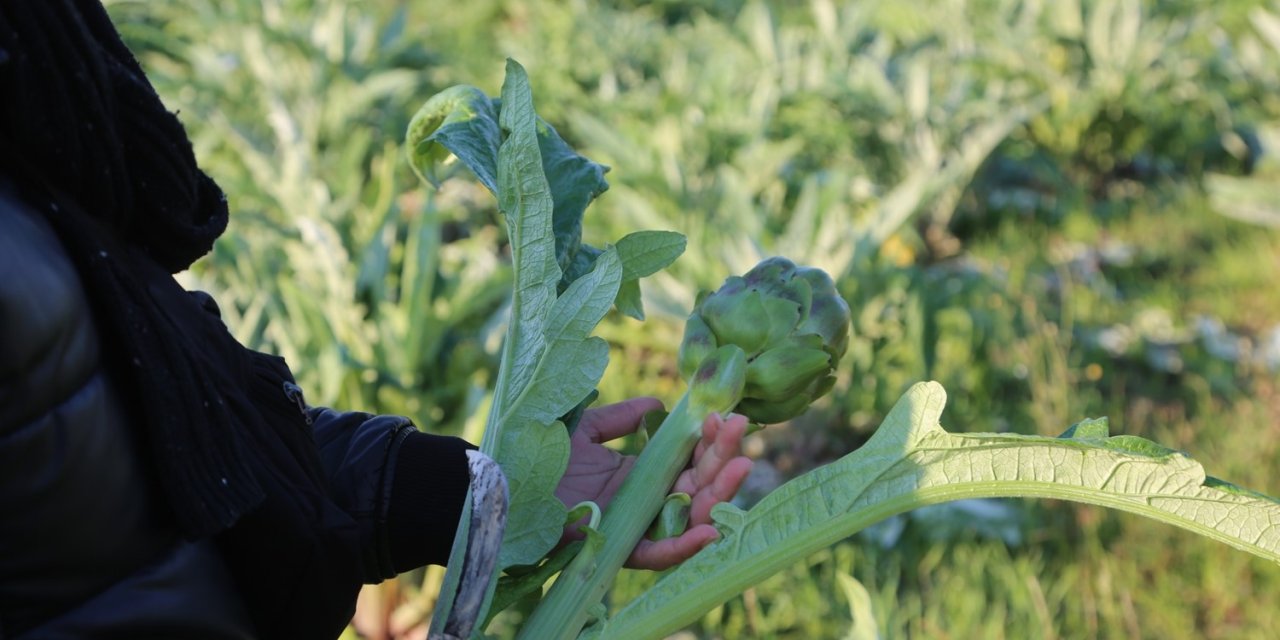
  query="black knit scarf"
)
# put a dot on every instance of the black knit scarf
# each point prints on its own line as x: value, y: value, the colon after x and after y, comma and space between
x: 89, y: 143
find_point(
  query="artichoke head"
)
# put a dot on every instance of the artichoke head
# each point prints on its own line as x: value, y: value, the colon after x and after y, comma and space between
x: 791, y: 325
x: 720, y: 379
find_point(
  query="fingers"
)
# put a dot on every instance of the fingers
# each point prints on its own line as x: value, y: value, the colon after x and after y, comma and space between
x: 723, y: 488
x: 612, y: 421
x: 717, y: 473
x: 721, y: 442
x: 710, y: 427
x: 718, y: 469
x: 663, y: 554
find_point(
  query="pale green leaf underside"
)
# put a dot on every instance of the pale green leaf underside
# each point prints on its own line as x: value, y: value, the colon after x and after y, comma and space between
x: 567, y: 369
x: 911, y: 462
x: 536, y: 458
x: 461, y: 121
x: 524, y: 198
x: 549, y: 362
x: 581, y: 307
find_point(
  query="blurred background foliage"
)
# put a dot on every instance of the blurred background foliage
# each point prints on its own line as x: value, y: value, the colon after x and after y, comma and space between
x: 1057, y: 209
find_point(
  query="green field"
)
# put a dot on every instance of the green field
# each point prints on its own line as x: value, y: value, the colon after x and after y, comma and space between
x: 1057, y: 209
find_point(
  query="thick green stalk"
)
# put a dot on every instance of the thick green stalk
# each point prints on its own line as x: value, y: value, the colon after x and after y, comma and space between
x: 733, y: 579
x: 910, y: 462
x: 566, y: 607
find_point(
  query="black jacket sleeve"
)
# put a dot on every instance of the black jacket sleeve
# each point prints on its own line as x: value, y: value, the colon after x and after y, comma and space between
x: 404, y: 488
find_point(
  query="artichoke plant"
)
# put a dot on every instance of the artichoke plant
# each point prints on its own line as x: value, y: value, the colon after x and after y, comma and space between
x: 764, y: 344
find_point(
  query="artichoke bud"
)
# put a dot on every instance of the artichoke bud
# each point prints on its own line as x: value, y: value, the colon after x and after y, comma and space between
x: 829, y: 318
x: 718, y: 383
x: 781, y: 317
x: 770, y: 412
x: 737, y: 318
x: 770, y: 271
x: 788, y: 326
x: 784, y: 371
x: 822, y: 386
x: 698, y: 343
x: 828, y: 312
x: 775, y: 277
x: 800, y: 292
x: 819, y: 281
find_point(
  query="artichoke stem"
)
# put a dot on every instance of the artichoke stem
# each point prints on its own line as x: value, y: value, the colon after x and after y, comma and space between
x: 583, y: 584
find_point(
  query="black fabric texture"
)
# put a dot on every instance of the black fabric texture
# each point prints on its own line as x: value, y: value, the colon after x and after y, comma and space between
x: 91, y: 145
x: 426, y: 499
x: 81, y: 507
x: 358, y: 452
x: 88, y: 145
x: 407, y: 506
x: 160, y: 600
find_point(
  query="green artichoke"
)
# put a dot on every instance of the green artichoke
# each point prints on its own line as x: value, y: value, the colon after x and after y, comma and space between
x: 790, y: 323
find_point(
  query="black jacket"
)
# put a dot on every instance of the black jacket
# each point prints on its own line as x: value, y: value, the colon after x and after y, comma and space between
x: 88, y: 546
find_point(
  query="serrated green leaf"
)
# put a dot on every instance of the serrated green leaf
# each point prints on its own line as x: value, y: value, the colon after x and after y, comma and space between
x: 585, y: 302
x: 524, y: 438
x: 582, y: 262
x: 461, y: 121
x: 628, y: 300
x: 536, y: 458
x: 525, y: 201
x: 565, y: 375
x: 911, y: 462
x: 549, y: 360
x: 575, y: 181
x: 644, y: 253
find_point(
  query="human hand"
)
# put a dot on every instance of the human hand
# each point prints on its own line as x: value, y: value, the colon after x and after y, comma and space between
x: 595, y: 473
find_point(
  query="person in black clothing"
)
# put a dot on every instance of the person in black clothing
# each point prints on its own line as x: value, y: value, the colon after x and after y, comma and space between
x: 157, y: 478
